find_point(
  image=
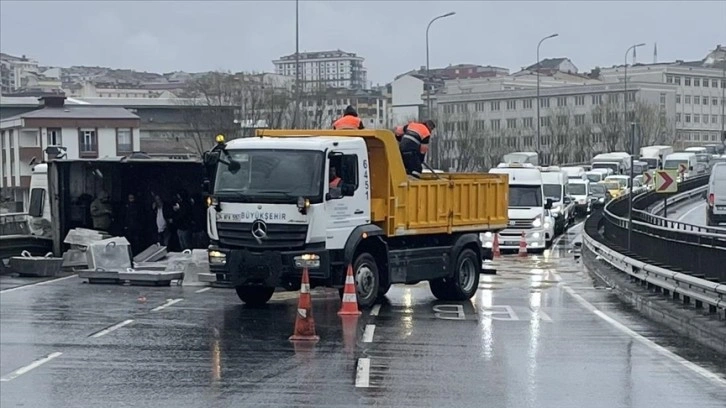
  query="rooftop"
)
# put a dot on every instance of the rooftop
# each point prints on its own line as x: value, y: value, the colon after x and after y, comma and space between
x: 76, y: 112
x: 547, y: 63
x: 320, y: 54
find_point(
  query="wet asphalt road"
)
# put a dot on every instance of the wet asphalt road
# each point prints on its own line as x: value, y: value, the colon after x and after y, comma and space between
x: 530, y: 338
x: 691, y: 213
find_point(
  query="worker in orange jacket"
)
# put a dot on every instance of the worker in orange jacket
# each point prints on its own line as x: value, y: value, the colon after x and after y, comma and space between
x: 349, y: 120
x: 415, y: 144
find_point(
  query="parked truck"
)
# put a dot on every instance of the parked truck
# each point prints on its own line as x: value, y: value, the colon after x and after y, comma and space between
x: 324, y: 199
x: 654, y: 155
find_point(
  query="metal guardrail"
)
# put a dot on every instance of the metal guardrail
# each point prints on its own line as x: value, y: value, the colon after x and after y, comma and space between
x: 695, y: 250
x: 654, y: 215
x: 669, y: 282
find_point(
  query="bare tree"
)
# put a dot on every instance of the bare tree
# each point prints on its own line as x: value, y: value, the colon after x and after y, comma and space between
x: 607, y: 118
x: 561, y: 129
x: 465, y: 143
x: 655, y: 127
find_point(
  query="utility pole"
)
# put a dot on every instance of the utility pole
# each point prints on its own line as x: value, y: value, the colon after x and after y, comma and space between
x: 632, y: 144
x: 538, y: 66
x: 297, y: 65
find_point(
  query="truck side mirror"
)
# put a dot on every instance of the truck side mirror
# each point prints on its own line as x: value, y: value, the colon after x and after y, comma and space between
x: 548, y: 204
x: 567, y: 200
x: 210, y: 158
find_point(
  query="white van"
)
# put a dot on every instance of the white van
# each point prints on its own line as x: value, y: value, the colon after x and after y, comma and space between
x: 527, y: 210
x: 716, y: 196
x: 696, y: 149
x: 618, y: 162
x: 598, y: 175
x: 555, y: 186
x: 688, y: 160
x: 580, y: 192
x: 654, y: 155
x: 575, y: 172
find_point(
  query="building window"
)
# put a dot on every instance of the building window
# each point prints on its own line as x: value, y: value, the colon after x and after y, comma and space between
x: 714, y: 118
x: 669, y: 79
x: 696, y: 100
x: 678, y: 118
x: 87, y: 143
x: 597, y: 118
x: 494, y: 105
x: 511, y: 123
x: 688, y: 99
x: 678, y: 98
x: 688, y: 118
x: 714, y: 101
x: 579, y: 120
x: 527, y: 104
x: 677, y: 80
x: 705, y: 100
x: 494, y: 123
x: 527, y: 122
x: 544, y: 121
x: 687, y: 81
x: 697, y: 81
x: 714, y: 83
x: 124, y: 142
x: 544, y: 103
x: 696, y: 118
x: 662, y: 99
x: 580, y: 100
x: 597, y: 99
x: 511, y: 105
x: 562, y: 101
x: 479, y: 124
x: 54, y: 137
x: 562, y: 121
x: 449, y: 109
x: 479, y: 106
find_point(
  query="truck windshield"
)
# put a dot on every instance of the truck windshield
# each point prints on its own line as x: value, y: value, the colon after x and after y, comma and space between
x: 553, y: 191
x: 640, y: 168
x: 525, y: 196
x: 674, y: 164
x: 597, y: 189
x: 577, y: 189
x: 652, y: 162
x: 611, y: 166
x: 272, y: 175
x: 594, y: 177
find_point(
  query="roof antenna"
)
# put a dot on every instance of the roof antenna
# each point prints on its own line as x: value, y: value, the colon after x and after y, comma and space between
x: 655, y: 53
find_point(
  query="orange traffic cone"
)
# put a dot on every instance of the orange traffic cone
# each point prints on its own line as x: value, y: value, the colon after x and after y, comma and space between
x: 304, y: 322
x: 522, y: 245
x: 496, y: 253
x: 350, y: 301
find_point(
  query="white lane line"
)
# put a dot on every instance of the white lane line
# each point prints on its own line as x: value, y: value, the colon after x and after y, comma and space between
x: 363, y: 373
x: 647, y: 342
x: 687, y: 213
x: 35, y: 364
x: 368, y: 333
x: 112, y: 328
x: 375, y: 310
x: 564, y: 234
x: 168, y: 303
x: 202, y: 290
x: 37, y: 284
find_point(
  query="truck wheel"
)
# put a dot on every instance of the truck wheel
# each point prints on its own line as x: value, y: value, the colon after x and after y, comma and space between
x: 367, y: 280
x: 465, y: 281
x: 254, y: 295
x: 383, y: 289
x: 440, y: 289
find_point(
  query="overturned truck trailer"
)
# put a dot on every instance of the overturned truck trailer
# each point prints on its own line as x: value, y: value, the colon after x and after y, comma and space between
x: 70, y: 186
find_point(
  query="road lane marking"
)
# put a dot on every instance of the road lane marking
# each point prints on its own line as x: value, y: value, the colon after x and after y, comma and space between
x: 687, y: 213
x: 36, y: 284
x: 202, y: 290
x: 363, y: 373
x: 168, y: 303
x: 368, y: 333
x: 35, y: 364
x: 375, y: 310
x: 564, y: 234
x: 111, y: 328
x: 645, y: 341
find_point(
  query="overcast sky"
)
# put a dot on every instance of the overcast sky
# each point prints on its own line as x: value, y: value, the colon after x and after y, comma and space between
x: 390, y: 35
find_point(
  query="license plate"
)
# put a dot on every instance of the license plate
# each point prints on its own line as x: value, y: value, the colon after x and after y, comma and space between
x: 721, y: 207
x: 511, y: 243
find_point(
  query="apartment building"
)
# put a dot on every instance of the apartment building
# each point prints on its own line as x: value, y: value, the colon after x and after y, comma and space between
x: 700, y: 93
x: 322, y: 108
x: 73, y: 131
x: 325, y: 69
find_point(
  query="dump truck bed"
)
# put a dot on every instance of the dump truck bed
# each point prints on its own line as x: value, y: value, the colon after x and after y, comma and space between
x: 434, y: 204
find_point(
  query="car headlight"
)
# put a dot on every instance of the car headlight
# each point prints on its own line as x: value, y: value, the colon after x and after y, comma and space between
x: 488, y: 234
x: 601, y: 199
x: 311, y: 261
x: 547, y: 225
x: 537, y: 222
x: 217, y: 258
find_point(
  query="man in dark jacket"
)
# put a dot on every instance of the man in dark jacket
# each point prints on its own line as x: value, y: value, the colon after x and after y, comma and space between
x: 181, y: 217
x: 349, y: 120
x: 132, y: 223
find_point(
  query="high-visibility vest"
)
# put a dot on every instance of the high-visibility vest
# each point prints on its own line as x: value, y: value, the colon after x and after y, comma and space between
x: 334, y: 183
x: 347, y: 122
x: 420, y: 134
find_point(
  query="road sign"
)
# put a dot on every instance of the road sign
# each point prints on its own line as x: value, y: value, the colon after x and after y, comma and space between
x: 647, y: 178
x: 665, y: 181
x: 682, y: 168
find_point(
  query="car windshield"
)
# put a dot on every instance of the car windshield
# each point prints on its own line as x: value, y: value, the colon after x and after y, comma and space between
x: 525, y: 196
x: 622, y: 182
x: 597, y: 189
x: 652, y: 162
x: 674, y: 164
x: 577, y: 189
x: 273, y: 175
x: 553, y: 191
x: 611, y: 166
x: 594, y: 177
x: 612, y: 185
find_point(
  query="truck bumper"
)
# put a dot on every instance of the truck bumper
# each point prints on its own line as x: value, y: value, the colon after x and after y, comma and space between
x: 267, y: 268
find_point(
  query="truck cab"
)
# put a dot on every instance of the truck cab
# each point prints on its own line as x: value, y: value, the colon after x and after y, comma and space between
x: 324, y: 200
x: 528, y: 209
x: 685, y: 163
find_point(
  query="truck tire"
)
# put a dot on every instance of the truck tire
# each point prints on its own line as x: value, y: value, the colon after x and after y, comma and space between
x: 465, y: 282
x: 440, y: 289
x: 254, y: 295
x: 367, y: 280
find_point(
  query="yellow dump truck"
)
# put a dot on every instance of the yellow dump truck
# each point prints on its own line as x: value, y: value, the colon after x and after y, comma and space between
x: 325, y: 199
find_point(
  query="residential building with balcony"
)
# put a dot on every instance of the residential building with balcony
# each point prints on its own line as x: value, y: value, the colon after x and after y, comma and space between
x: 325, y: 69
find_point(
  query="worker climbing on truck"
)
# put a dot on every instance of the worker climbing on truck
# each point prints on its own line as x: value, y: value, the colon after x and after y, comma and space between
x: 349, y: 120
x: 414, y: 145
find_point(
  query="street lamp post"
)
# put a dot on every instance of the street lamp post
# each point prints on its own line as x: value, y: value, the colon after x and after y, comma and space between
x: 538, y: 125
x: 632, y: 144
x: 297, y: 65
x: 428, y: 74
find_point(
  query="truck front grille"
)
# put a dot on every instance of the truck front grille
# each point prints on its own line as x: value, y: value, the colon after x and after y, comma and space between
x: 519, y: 223
x: 279, y: 236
